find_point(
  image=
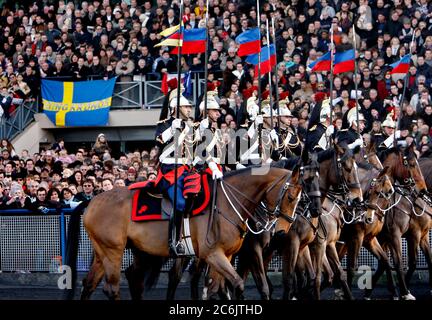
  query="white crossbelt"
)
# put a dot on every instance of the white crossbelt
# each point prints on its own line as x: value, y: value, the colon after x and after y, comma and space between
x: 187, y: 238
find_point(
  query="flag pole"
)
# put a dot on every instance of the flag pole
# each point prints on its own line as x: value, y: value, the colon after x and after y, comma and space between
x: 206, y: 61
x: 355, y: 80
x: 177, y: 113
x: 259, y: 81
x: 331, y: 74
x: 269, y: 75
x: 405, y: 85
x: 276, y: 73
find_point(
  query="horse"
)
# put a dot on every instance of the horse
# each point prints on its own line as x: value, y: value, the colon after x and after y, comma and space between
x: 373, y: 185
x: 336, y: 169
x: 411, y: 186
x: 377, y: 187
x: 110, y: 228
x: 255, y: 240
x: 336, y: 160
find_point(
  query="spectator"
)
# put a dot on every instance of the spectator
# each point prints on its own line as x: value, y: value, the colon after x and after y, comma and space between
x: 87, y: 193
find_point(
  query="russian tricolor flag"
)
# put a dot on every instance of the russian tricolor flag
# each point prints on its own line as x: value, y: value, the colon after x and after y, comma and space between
x: 268, y: 59
x: 322, y: 63
x: 402, y: 66
x: 344, y: 61
x: 249, y: 42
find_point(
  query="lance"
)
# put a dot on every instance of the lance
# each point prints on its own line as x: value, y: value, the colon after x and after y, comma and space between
x: 180, y: 44
x: 259, y: 82
x: 276, y: 73
x: 355, y: 80
x: 331, y: 74
x: 269, y: 74
x: 206, y: 62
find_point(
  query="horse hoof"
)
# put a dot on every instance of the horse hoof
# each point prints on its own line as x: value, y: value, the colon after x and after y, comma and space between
x: 293, y: 298
x: 395, y: 298
x: 408, y: 296
x: 339, y: 295
x: 367, y: 298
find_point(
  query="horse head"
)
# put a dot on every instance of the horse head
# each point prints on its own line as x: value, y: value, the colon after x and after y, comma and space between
x: 409, y: 159
x: 346, y: 172
x: 309, y: 177
x: 380, y: 190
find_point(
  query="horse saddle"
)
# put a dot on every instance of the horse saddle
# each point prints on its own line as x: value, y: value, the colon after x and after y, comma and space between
x: 149, y: 204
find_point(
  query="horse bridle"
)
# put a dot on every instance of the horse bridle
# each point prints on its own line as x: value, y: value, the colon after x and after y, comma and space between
x: 307, y: 196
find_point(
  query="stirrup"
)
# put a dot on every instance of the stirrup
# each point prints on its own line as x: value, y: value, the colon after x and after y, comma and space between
x: 177, y: 250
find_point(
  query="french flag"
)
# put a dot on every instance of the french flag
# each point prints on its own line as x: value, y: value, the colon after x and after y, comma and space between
x: 249, y: 42
x: 268, y: 59
x: 323, y: 63
x: 194, y: 41
x: 402, y: 66
x: 344, y: 61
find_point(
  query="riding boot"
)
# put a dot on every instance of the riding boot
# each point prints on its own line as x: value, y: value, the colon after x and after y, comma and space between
x: 176, y: 248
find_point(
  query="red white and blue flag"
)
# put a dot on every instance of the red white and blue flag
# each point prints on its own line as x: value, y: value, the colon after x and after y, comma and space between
x: 401, y: 66
x: 193, y: 41
x: 249, y: 42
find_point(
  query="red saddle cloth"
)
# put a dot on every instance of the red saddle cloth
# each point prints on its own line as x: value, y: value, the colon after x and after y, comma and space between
x: 147, y: 200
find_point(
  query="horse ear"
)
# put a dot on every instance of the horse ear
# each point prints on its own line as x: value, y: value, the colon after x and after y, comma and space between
x: 384, y: 171
x: 339, y: 149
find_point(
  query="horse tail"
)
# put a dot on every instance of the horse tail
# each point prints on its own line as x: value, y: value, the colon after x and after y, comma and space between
x: 72, y: 243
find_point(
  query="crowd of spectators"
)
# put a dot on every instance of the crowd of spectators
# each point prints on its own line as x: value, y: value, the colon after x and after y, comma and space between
x: 54, y: 179
x: 100, y: 39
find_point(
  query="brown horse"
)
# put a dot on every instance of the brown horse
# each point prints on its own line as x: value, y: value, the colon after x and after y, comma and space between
x: 409, y: 185
x: 336, y: 169
x: 110, y: 228
x: 377, y: 188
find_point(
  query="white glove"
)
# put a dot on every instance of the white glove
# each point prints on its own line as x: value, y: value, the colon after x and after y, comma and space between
x: 204, y: 124
x: 329, y: 130
x: 176, y: 124
x: 216, y: 173
x: 398, y: 134
x: 274, y: 136
x: 240, y: 166
x: 259, y: 119
x: 357, y: 143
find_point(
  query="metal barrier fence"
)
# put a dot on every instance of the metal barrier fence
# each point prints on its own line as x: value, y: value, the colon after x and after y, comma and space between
x: 20, y: 118
x: 34, y: 243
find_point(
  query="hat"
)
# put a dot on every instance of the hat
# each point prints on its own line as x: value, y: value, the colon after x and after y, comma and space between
x: 325, y: 110
x: 319, y: 96
x: 101, y: 135
x: 212, y: 104
x: 284, y: 111
x: 131, y: 170
x: 352, y: 116
x: 252, y: 108
x: 116, y: 10
x: 183, y: 102
x: 389, y: 123
x: 265, y: 111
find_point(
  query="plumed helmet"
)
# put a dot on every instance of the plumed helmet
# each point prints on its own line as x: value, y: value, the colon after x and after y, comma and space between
x: 325, y: 110
x: 212, y: 104
x: 352, y: 116
x: 252, y: 107
x: 284, y: 111
x: 389, y: 123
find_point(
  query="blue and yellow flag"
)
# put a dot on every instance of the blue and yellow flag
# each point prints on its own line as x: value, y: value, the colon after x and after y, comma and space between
x: 84, y: 103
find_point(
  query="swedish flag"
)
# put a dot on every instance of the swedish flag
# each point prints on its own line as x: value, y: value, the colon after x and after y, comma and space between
x: 84, y: 103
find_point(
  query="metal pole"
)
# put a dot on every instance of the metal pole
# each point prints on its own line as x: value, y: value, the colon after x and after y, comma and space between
x: 269, y: 75
x: 206, y: 62
x: 356, y: 83
x: 276, y: 73
x: 331, y: 74
x: 259, y: 82
x: 177, y: 109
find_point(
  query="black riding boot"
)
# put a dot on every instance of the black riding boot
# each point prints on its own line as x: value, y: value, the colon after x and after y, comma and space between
x: 176, y: 248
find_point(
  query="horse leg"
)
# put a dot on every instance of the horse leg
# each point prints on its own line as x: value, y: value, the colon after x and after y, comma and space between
x: 135, y: 275
x: 174, y: 276
x: 289, y: 259
x: 318, y: 252
x: 328, y: 274
x: 354, y: 247
x: 375, y: 248
x: 259, y: 273
x: 196, y: 271
x: 425, y: 247
x: 339, y: 271
x: 93, y: 278
x: 413, y: 241
x: 310, y: 273
x: 396, y: 248
x: 112, y: 264
x: 221, y: 264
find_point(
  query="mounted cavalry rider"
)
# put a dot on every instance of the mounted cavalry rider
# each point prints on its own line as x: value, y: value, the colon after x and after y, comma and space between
x: 385, y: 140
x: 167, y: 132
x: 209, y: 151
x: 289, y: 143
x: 349, y: 133
x: 320, y: 129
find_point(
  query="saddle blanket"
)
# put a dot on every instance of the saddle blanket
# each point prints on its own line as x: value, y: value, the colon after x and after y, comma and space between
x: 149, y: 205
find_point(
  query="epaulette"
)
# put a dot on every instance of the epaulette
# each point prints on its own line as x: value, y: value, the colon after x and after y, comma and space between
x: 378, y: 134
x: 313, y: 128
x: 162, y: 121
x: 244, y: 125
x: 343, y: 130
